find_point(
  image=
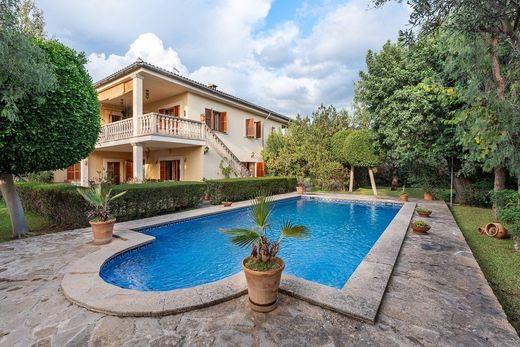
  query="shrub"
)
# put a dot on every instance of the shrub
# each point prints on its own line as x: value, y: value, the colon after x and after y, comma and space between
x: 41, y: 177
x: 63, y: 204
x: 505, y: 198
x: 474, y: 196
x: 509, y: 215
x: 237, y: 189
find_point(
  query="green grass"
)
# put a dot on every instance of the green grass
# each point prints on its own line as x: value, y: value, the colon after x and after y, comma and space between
x: 35, y: 222
x: 416, y: 193
x: 497, y: 259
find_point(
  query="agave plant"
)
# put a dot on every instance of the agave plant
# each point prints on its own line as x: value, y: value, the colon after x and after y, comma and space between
x: 263, y: 248
x: 100, y: 200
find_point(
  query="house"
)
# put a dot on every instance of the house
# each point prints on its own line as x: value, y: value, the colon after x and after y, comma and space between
x: 159, y: 125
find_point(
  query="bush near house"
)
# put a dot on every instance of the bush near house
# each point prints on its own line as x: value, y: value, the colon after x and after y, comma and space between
x: 237, y: 189
x: 62, y: 204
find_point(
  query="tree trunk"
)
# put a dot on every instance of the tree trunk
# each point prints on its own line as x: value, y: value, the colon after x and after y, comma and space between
x: 500, y: 178
x: 395, y: 180
x: 499, y: 184
x: 14, y: 205
x: 499, y: 80
x: 372, y: 180
x: 351, y: 179
x: 459, y: 184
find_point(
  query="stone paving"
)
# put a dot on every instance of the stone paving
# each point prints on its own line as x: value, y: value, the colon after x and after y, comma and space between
x: 437, y: 296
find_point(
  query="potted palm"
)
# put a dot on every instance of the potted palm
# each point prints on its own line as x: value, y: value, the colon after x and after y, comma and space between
x: 99, y: 214
x: 263, y: 269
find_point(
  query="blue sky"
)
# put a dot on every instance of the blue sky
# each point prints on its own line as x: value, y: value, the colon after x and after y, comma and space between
x: 290, y: 56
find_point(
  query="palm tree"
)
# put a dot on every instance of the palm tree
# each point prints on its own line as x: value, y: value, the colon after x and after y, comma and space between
x: 264, y: 249
x: 99, y: 199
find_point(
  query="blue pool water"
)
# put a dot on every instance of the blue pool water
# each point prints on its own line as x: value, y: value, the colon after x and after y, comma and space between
x: 194, y: 252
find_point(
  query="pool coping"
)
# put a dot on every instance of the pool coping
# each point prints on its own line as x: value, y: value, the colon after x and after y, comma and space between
x: 359, y: 298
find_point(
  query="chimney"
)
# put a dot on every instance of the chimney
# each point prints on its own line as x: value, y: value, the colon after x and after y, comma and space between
x: 212, y: 86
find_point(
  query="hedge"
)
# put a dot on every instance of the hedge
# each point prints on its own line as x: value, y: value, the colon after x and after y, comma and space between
x: 62, y: 204
x: 237, y: 189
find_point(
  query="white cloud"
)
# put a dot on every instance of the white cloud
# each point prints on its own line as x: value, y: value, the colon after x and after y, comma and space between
x: 147, y: 47
x: 279, y: 68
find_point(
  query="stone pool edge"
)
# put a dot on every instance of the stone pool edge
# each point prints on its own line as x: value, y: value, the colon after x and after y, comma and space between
x: 360, y: 298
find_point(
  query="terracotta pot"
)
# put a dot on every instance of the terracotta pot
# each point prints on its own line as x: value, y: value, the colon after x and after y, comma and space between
x: 300, y: 189
x: 403, y: 197
x: 206, y: 196
x: 424, y: 214
x: 262, y: 287
x: 102, y: 231
x: 428, y: 196
x: 496, y: 230
x: 420, y: 230
x: 226, y: 203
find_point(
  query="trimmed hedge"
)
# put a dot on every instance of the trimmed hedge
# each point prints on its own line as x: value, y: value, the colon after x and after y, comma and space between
x: 237, y: 189
x: 62, y: 204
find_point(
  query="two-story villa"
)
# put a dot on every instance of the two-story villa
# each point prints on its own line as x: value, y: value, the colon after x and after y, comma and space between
x: 159, y: 125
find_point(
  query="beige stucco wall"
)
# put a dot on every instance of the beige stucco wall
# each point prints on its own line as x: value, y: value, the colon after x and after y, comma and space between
x: 180, y: 99
x: 60, y: 176
x: 246, y: 149
x: 190, y: 157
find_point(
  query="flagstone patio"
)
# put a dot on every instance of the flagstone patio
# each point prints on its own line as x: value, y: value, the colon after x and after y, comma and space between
x: 437, y: 296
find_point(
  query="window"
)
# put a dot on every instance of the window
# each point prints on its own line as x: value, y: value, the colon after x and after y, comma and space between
x: 170, y: 170
x: 174, y: 111
x: 250, y: 128
x: 216, y: 120
x: 250, y: 166
x: 74, y: 172
x: 115, y: 117
x: 258, y: 132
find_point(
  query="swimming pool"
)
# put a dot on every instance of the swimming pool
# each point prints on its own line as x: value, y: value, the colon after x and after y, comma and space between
x: 193, y: 252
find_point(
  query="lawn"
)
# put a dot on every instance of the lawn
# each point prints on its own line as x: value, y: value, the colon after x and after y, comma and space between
x: 416, y: 193
x: 35, y: 222
x: 497, y: 259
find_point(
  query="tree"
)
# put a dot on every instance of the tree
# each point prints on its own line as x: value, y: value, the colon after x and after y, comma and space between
x: 496, y: 26
x: 52, y: 133
x: 356, y: 147
x: 30, y: 19
x: 24, y: 71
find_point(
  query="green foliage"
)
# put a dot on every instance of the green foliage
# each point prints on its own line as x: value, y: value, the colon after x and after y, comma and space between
x: 509, y: 215
x: 505, y: 198
x: 59, y: 131
x: 100, y: 200
x: 306, y: 148
x: 25, y: 72
x: 359, y: 149
x: 422, y: 210
x: 65, y: 206
x: 338, y: 147
x: 41, y: 177
x: 420, y: 223
x: 30, y: 19
x: 237, y: 189
x: 225, y: 170
x: 264, y: 249
x: 474, y: 196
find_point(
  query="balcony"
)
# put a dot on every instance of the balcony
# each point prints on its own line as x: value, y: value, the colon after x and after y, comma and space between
x: 151, y: 124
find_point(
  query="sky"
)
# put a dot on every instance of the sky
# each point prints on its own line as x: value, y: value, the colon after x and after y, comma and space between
x: 289, y: 56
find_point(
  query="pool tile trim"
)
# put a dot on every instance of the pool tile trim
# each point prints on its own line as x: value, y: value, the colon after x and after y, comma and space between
x: 360, y: 297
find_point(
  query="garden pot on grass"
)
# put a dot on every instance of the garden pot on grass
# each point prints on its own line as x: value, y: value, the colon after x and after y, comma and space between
x: 262, y: 287
x: 428, y: 196
x: 226, y: 203
x: 496, y: 230
x: 102, y: 231
x: 403, y: 197
x: 300, y: 189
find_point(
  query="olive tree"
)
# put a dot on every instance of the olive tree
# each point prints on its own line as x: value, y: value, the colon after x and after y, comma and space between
x: 50, y: 132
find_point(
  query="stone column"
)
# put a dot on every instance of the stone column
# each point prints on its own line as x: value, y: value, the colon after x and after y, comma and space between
x: 84, y: 172
x: 137, y: 100
x: 137, y: 150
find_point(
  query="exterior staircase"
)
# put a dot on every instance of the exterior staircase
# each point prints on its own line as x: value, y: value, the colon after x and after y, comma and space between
x: 239, y: 169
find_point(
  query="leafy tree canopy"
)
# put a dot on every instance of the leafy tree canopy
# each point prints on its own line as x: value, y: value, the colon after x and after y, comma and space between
x: 58, y: 130
x: 359, y: 149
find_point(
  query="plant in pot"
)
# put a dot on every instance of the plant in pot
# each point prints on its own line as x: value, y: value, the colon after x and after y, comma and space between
x: 99, y: 215
x: 423, y: 212
x: 403, y: 196
x: 420, y: 226
x: 263, y: 269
